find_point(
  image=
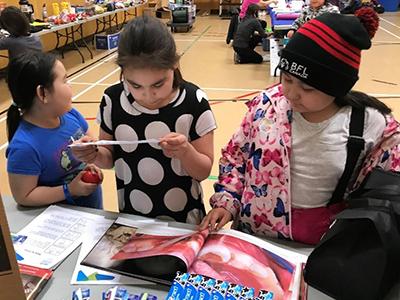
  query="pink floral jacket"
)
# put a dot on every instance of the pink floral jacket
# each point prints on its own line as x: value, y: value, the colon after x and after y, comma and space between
x: 254, y: 170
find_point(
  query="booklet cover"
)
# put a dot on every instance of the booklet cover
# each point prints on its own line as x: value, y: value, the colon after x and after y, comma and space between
x: 156, y: 253
x: 33, y: 280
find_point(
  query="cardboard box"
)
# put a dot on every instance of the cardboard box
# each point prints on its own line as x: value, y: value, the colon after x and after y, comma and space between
x: 106, y: 41
x: 149, y: 11
x: 10, y: 280
x: 164, y: 14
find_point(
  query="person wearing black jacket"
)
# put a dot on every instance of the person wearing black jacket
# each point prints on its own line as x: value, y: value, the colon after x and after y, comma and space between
x: 248, y: 34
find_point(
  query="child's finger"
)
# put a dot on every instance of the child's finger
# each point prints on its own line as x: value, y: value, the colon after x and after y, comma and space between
x: 213, y: 221
x: 225, y: 219
x: 100, y: 173
x: 204, y: 224
x: 175, y: 141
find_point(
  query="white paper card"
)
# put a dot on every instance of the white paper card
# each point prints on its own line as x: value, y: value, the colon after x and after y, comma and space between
x: 111, y: 143
x: 52, y: 236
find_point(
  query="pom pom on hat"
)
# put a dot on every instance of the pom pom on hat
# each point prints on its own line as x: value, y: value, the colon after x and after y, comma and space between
x: 369, y: 18
x: 325, y: 53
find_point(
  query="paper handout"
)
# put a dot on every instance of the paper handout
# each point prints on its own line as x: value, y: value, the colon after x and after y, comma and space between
x: 111, y: 143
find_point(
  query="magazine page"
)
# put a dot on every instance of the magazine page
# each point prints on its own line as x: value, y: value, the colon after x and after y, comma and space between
x: 153, y: 252
x: 33, y: 280
x: 87, y: 275
x: 243, y: 259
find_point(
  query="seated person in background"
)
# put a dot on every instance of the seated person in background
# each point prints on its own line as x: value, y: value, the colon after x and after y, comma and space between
x: 20, y: 40
x: 41, y: 123
x: 314, y: 9
x: 246, y: 40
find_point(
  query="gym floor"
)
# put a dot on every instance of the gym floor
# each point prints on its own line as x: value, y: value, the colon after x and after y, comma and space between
x: 207, y: 61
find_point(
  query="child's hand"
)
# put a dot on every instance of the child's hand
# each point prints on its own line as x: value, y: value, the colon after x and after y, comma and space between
x: 216, y: 219
x: 78, y: 187
x: 92, y: 174
x: 174, y: 145
x: 86, y: 154
x: 290, y: 34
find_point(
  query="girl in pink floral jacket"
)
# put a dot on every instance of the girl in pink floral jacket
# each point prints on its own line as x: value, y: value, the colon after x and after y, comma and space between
x: 279, y: 170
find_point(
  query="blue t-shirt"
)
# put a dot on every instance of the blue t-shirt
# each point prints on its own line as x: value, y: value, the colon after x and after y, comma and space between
x: 45, y: 153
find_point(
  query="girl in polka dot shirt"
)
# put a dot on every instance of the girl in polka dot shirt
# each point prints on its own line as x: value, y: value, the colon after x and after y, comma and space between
x: 152, y: 101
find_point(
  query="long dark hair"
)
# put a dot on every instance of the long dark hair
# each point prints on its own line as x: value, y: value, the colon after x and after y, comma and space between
x: 360, y: 100
x: 15, y: 21
x: 252, y: 10
x: 25, y: 73
x: 145, y: 42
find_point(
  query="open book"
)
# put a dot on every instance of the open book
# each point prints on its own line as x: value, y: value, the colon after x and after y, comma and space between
x: 156, y: 253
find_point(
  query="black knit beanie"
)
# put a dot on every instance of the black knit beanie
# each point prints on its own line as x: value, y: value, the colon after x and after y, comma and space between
x: 325, y: 52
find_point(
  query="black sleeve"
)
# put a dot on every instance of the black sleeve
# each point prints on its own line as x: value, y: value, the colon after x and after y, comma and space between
x: 257, y: 27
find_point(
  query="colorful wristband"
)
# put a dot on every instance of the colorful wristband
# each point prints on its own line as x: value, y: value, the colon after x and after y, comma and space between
x: 67, y: 194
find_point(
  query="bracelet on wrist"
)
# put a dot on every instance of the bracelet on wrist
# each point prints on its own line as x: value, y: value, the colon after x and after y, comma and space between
x: 67, y: 194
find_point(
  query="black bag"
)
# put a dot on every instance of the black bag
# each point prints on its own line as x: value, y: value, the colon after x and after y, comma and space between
x: 180, y: 15
x: 359, y: 257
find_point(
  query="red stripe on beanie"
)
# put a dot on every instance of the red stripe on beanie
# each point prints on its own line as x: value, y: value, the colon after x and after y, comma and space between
x: 311, y: 35
x: 335, y: 44
x: 336, y: 36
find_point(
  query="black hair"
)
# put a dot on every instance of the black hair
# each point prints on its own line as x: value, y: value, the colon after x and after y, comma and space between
x: 145, y: 42
x: 25, y: 73
x: 361, y: 100
x: 15, y: 21
x: 252, y: 10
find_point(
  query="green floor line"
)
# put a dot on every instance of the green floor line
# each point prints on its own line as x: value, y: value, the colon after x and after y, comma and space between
x: 192, y: 43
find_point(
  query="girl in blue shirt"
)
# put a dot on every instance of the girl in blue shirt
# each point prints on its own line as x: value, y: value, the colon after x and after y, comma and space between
x: 41, y: 123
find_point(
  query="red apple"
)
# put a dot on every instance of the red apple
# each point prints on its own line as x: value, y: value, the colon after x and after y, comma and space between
x: 91, y: 177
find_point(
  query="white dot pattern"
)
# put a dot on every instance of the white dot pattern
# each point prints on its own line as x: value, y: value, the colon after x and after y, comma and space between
x: 148, y: 182
x: 175, y: 199
x: 200, y: 94
x: 150, y: 171
x: 203, y: 123
x: 127, y: 106
x: 141, y: 202
x: 195, y: 190
x: 122, y: 171
x: 107, y: 111
x: 156, y: 130
x: 126, y: 133
x: 194, y: 216
x: 176, y: 166
x: 183, y: 124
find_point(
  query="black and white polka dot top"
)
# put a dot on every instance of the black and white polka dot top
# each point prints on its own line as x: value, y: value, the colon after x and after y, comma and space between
x: 148, y: 182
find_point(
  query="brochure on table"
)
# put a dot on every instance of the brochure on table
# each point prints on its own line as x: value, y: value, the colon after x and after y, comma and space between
x: 52, y: 236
